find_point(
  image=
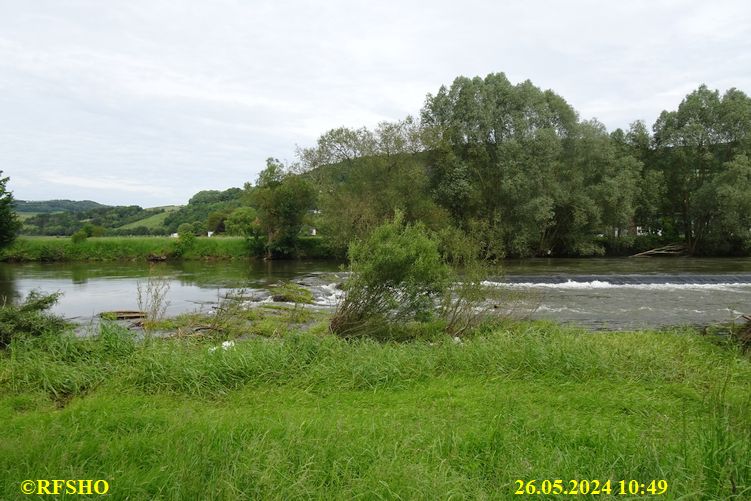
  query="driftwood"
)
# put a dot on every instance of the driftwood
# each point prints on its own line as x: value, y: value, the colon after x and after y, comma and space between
x: 743, y: 334
x: 156, y: 257
x: 123, y: 315
x: 667, y: 250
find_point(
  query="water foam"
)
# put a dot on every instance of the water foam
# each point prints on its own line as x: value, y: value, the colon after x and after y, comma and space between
x: 601, y: 284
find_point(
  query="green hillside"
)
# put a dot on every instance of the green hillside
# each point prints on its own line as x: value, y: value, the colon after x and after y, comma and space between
x: 153, y: 221
x: 23, y: 216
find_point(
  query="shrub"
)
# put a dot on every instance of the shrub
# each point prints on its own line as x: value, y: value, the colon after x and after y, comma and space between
x: 186, y: 239
x: 397, y: 275
x: 401, y: 286
x: 29, y: 318
x: 79, y: 236
x: 470, y: 301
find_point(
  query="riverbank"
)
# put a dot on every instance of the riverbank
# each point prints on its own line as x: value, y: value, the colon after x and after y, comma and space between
x: 283, y: 414
x: 63, y: 249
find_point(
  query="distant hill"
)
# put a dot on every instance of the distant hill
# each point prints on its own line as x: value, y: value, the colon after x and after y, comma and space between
x: 50, y: 206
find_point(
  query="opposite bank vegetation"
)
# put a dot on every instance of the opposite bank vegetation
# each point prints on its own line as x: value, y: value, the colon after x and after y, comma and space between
x: 61, y: 249
x: 408, y: 390
x: 511, y: 163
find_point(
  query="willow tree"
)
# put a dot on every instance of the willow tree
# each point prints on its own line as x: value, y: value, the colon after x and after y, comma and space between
x: 364, y: 176
x: 282, y: 200
x: 696, y: 147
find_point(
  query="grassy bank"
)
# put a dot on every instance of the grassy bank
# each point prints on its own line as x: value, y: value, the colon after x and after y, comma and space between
x: 61, y: 249
x: 311, y: 416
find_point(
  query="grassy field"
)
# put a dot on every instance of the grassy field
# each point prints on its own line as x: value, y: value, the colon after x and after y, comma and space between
x: 310, y: 416
x: 23, y: 216
x: 59, y: 249
x: 155, y: 221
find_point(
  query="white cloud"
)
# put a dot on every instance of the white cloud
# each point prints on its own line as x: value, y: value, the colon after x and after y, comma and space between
x: 192, y: 95
x: 107, y: 183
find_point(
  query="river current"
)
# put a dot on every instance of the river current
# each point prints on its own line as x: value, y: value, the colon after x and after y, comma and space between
x: 611, y: 294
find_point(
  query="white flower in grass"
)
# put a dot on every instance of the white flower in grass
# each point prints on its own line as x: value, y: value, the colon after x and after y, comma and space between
x: 225, y: 346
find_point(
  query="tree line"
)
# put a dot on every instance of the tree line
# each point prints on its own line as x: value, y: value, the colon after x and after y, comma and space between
x: 511, y: 165
x: 515, y: 166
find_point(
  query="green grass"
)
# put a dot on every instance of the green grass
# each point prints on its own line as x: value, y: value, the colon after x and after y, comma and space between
x: 291, y: 293
x: 52, y: 249
x: 23, y: 216
x: 151, y: 222
x: 307, y: 416
x: 62, y: 249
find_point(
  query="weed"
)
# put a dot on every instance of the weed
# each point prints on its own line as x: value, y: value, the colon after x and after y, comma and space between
x: 151, y: 297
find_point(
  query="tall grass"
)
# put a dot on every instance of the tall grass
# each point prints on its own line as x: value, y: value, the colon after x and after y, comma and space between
x: 530, y: 351
x: 53, y: 249
x: 317, y: 417
x: 58, y: 249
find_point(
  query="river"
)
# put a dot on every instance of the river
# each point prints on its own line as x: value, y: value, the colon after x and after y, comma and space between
x: 599, y: 293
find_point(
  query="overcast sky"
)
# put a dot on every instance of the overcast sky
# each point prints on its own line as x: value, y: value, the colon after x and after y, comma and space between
x: 148, y: 101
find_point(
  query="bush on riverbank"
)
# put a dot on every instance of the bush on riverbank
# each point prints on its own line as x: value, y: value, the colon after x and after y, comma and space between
x: 397, y: 275
x: 29, y: 318
x: 52, y: 249
x: 347, y: 419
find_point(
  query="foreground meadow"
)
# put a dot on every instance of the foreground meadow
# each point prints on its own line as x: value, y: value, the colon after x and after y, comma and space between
x: 306, y: 415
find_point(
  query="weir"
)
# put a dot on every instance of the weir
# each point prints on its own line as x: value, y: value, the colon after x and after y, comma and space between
x: 633, y: 279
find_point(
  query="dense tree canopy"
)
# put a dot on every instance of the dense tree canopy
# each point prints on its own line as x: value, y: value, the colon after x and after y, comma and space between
x: 282, y: 200
x: 9, y: 224
x: 699, y: 148
x: 515, y: 165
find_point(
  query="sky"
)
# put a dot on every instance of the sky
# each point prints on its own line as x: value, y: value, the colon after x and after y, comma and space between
x: 149, y: 101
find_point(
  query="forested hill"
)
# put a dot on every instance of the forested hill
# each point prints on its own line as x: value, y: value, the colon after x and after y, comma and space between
x: 48, y: 206
x: 205, y: 211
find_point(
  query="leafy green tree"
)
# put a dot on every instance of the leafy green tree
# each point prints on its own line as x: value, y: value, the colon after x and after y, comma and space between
x: 9, y: 223
x: 597, y: 190
x: 92, y: 230
x: 496, y: 150
x: 217, y: 220
x: 363, y: 176
x: 694, y: 145
x: 730, y: 194
x: 282, y: 201
x: 243, y: 221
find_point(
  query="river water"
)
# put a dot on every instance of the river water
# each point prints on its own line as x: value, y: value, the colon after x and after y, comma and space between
x: 611, y: 294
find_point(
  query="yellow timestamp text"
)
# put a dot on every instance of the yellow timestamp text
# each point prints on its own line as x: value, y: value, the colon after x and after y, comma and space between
x: 591, y: 487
